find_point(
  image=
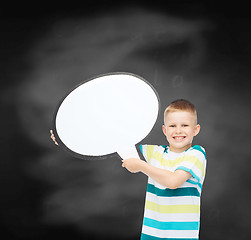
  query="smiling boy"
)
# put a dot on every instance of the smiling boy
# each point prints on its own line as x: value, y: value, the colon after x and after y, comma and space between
x: 175, y: 177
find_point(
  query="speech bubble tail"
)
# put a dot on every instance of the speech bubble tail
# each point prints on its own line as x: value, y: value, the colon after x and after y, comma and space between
x: 128, y: 152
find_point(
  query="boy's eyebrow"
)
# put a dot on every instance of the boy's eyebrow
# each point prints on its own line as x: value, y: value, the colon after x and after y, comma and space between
x: 182, y: 123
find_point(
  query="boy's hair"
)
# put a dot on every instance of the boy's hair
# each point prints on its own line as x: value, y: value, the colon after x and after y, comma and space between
x: 180, y: 105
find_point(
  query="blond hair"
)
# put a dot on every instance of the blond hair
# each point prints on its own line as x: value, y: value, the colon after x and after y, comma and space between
x: 180, y: 105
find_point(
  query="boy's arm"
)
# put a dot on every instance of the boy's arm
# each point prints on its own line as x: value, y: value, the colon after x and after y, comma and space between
x: 166, y: 178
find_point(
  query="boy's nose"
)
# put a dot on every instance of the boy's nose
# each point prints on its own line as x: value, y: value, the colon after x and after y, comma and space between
x: 178, y: 130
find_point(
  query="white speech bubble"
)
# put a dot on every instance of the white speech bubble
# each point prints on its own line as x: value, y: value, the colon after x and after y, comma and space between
x: 107, y: 114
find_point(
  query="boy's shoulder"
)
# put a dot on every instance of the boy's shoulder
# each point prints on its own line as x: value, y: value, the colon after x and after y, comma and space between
x: 196, y: 149
x: 153, y: 148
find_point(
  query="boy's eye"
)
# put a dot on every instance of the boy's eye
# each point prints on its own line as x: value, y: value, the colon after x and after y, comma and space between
x: 172, y: 126
x: 185, y: 125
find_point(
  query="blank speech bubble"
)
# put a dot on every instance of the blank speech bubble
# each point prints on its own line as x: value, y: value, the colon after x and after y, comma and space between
x: 107, y: 114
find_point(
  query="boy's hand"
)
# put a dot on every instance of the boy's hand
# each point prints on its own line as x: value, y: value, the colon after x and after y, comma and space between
x: 53, y: 137
x: 133, y: 165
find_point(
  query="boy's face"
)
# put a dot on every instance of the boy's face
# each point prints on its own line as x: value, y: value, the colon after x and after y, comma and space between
x: 180, y: 128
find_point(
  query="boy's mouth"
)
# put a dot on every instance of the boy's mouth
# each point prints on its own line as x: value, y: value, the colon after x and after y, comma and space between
x: 179, y: 138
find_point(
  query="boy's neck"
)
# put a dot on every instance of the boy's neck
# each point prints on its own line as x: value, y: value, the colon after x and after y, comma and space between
x: 179, y: 150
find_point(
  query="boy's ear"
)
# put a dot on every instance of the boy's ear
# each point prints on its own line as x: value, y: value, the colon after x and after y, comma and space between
x: 197, y: 129
x: 164, y: 129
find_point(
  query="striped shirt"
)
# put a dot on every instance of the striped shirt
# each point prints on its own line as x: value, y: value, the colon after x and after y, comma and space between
x: 173, y: 213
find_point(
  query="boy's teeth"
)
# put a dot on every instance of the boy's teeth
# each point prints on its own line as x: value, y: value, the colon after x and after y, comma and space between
x: 178, y: 138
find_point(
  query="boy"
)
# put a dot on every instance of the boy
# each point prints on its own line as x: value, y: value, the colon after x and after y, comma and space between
x: 175, y: 177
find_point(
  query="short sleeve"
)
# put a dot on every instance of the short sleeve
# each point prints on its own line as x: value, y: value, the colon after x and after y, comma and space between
x: 194, y: 162
x: 147, y: 151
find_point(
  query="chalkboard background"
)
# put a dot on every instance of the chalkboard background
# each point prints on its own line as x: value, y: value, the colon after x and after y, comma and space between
x: 191, y: 50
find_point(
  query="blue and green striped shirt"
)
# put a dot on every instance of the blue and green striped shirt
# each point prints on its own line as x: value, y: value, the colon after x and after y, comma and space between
x: 173, y: 213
